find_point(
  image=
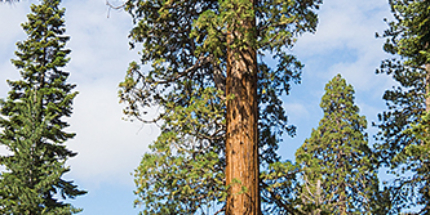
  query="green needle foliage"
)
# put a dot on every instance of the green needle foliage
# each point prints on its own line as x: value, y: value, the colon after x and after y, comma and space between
x: 337, y: 172
x: 408, y: 40
x: 421, y: 153
x: 185, y: 44
x: 32, y: 120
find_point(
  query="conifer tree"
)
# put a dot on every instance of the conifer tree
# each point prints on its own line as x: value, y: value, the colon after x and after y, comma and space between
x: 32, y: 120
x: 407, y: 39
x: 336, y: 169
x: 212, y: 87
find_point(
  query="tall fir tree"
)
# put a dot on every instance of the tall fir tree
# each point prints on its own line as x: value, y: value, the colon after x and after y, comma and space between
x: 218, y: 100
x: 407, y: 39
x: 32, y: 120
x: 336, y: 168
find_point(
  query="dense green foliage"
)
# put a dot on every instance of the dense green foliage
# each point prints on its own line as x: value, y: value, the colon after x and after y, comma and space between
x: 421, y: 153
x: 32, y: 120
x: 337, y: 173
x: 185, y: 43
x: 408, y: 40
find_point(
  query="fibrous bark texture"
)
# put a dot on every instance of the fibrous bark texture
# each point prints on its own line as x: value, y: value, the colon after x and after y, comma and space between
x: 242, y: 114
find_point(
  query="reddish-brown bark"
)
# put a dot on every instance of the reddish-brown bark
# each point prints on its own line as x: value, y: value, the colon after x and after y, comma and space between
x: 242, y: 139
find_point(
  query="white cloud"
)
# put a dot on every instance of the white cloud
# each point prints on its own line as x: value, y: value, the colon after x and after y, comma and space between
x: 11, y: 29
x: 99, y: 44
x: 296, y: 111
x: 109, y: 148
x: 345, y: 24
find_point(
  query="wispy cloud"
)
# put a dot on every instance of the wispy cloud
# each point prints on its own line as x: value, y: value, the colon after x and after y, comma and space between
x: 345, y: 42
x: 109, y: 148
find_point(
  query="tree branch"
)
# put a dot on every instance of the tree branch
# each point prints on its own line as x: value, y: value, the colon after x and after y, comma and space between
x: 220, y: 210
x: 115, y: 7
x: 112, y: 7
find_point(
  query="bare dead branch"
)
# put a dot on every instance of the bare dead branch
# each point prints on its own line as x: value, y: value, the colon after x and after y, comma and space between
x: 115, y: 7
x: 111, y: 6
x: 220, y: 210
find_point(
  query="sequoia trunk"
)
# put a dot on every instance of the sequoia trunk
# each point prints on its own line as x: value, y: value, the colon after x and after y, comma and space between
x: 242, y: 113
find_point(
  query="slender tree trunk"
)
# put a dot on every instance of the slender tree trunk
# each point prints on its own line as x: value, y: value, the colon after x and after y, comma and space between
x: 427, y: 90
x: 242, y: 114
x: 342, y: 207
x: 427, y: 86
x: 427, y: 81
x: 342, y: 202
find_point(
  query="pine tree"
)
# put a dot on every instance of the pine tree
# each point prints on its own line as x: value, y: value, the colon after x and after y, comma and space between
x: 211, y: 85
x: 408, y: 40
x: 32, y: 120
x: 336, y: 169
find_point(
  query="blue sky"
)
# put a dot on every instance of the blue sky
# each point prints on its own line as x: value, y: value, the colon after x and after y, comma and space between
x: 110, y: 148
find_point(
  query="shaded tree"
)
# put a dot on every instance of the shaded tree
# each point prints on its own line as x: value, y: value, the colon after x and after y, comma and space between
x: 208, y: 78
x: 32, y: 120
x: 407, y: 39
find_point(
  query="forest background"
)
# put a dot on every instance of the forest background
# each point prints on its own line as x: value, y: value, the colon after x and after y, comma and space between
x: 110, y: 148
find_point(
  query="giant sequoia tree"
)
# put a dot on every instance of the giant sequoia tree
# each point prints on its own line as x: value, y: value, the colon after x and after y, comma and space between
x: 32, y: 120
x: 338, y: 176
x: 408, y: 40
x: 217, y: 102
